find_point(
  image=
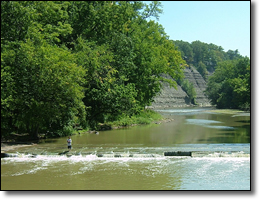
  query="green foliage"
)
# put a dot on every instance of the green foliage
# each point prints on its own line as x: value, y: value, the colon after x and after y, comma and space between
x: 186, y: 50
x: 155, y: 56
x: 204, y: 57
x: 229, y: 86
x: 202, y: 69
x: 144, y: 117
x: 124, y: 121
x: 124, y: 63
x: 79, y: 63
x: 189, y: 89
x: 148, y: 116
x: 46, y: 87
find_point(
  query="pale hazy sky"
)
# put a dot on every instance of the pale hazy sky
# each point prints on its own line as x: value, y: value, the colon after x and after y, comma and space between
x: 223, y: 23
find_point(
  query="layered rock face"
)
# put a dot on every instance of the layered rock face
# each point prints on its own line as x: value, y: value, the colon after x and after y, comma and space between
x: 170, y: 97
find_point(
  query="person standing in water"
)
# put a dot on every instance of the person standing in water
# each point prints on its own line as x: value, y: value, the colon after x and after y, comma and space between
x: 69, y: 141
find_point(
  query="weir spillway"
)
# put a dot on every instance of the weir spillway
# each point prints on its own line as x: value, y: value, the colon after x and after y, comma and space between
x: 117, y: 152
x: 130, y: 155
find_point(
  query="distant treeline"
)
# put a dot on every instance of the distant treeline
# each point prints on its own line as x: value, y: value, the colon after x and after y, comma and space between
x: 204, y: 57
x: 229, y: 85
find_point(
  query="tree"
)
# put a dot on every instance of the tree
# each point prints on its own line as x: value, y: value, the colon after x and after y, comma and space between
x: 229, y: 86
x: 137, y: 52
x: 189, y: 89
x: 41, y: 82
x: 202, y: 69
x: 46, y: 87
x: 106, y: 93
x: 83, y: 62
x: 233, y: 54
x: 186, y: 50
x: 204, y: 57
x: 15, y: 21
x: 155, y: 55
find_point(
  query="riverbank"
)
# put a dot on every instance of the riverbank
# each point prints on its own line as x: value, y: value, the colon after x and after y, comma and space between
x: 14, y: 145
x: 147, y: 117
x: 10, y: 146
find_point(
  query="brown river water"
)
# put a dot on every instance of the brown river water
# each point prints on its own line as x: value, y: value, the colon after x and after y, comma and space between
x: 134, y: 158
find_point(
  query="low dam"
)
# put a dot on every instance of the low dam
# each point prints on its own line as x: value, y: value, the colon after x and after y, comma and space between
x: 127, y: 154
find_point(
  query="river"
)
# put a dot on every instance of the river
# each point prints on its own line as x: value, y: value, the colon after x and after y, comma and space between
x: 141, y: 157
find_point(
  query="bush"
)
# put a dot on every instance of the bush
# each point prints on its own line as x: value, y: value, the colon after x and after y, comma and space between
x: 245, y: 106
x: 67, y: 130
x: 189, y: 89
x: 144, y: 117
x: 143, y: 120
x: 125, y: 121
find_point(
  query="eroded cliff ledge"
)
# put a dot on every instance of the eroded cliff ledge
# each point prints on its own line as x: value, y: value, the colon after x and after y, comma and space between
x: 170, y: 97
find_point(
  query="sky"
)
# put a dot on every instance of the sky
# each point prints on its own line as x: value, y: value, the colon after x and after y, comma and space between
x: 223, y: 23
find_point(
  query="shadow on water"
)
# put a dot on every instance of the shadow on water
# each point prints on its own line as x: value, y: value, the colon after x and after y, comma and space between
x: 48, y: 141
x: 64, y: 152
x: 246, y: 126
x: 243, y: 121
x: 240, y: 134
x: 243, y: 130
x: 227, y: 134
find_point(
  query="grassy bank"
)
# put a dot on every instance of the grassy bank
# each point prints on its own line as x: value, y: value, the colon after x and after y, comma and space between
x: 145, y: 117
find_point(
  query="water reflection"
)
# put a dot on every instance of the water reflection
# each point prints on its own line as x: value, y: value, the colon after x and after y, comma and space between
x: 207, y: 123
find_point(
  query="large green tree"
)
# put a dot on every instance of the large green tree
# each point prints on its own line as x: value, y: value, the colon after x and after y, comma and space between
x: 45, y: 88
x: 80, y: 62
x: 123, y: 43
x: 41, y: 82
x: 229, y: 86
x: 155, y: 55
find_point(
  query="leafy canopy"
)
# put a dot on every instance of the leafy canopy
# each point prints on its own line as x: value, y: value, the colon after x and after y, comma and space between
x: 78, y: 63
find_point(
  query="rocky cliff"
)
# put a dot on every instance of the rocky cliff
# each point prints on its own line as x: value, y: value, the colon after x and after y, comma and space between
x: 170, y: 97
